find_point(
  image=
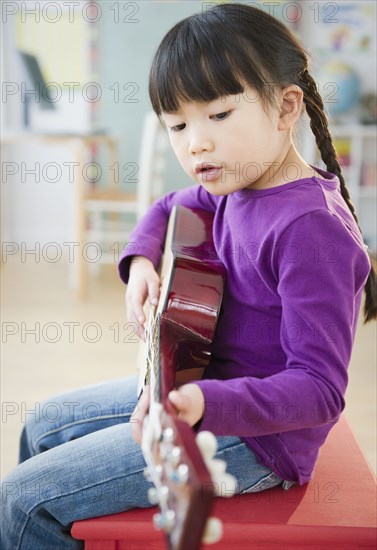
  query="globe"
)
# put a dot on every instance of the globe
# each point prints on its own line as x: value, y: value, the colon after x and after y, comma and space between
x: 339, y: 86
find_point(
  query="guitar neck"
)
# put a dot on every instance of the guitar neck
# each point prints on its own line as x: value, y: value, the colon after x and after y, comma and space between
x: 179, y: 333
x: 153, y: 367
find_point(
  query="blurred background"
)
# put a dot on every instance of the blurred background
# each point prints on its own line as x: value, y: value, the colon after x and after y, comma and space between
x: 83, y: 157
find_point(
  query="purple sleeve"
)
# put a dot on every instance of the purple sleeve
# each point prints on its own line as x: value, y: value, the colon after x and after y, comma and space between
x: 147, y: 239
x: 321, y: 268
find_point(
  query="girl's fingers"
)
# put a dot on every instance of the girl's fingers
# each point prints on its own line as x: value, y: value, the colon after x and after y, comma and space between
x: 154, y: 292
x: 180, y: 402
x: 140, y: 332
x: 136, y: 431
x: 137, y: 292
x: 134, y: 307
x: 132, y: 320
x: 174, y: 397
x: 137, y: 308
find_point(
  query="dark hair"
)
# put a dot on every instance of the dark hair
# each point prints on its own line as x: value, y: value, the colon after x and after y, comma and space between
x: 210, y: 54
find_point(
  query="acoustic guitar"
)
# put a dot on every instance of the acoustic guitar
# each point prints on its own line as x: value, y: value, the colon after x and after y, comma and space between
x: 179, y: 333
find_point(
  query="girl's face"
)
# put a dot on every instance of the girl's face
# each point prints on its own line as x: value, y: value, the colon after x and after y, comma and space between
x: 230, y: 143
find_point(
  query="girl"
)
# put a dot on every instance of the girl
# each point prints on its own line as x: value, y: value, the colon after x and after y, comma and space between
x: 229, y: 85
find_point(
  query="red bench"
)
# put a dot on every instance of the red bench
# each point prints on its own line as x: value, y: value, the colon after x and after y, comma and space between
x: 337, y: 509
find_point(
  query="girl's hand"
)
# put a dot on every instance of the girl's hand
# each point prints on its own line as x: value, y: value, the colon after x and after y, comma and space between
x: 139, y: 414
x: 143, y: 282
x: 188, y: 401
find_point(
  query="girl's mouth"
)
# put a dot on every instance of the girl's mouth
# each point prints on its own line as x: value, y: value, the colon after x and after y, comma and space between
x: 208, y: 171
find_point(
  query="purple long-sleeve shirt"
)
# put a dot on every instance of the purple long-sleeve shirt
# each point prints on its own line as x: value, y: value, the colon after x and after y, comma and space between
x: 296, y: 266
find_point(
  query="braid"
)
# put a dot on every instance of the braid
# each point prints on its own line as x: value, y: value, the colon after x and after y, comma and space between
x: 319, y: 125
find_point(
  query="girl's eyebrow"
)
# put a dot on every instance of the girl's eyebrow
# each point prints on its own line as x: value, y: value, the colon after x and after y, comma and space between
x: 179, y: 111
x: 216, y: 103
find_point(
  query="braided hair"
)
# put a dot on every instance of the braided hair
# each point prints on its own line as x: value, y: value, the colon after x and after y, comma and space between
x: 231, y: 44
x: 319, y: 125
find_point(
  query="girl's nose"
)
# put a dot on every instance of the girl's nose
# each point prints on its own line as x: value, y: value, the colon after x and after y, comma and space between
x: 198, y: 144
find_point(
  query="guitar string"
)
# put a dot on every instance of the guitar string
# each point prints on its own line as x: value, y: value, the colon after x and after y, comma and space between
x: 152, y: 358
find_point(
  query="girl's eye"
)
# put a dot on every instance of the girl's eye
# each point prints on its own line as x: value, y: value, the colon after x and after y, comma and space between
x: 221, y: 116
x: 177, y: 128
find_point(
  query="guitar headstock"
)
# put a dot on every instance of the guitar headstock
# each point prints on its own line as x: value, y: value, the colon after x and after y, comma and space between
x: 186, y: 478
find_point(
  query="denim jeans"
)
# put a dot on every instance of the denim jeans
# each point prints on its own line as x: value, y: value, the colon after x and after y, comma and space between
x: 78, y: 460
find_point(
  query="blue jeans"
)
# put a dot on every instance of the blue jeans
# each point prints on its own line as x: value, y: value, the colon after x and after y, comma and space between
x: 78, y: 460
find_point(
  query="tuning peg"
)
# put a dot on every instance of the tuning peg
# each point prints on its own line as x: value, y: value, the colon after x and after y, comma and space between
x: 164, y: 521
x: 147, y: 474
x: 207, y: 444
x: 153, y: 496
x: 164, y: 492
x: 226, y: 486
x: 213, y: 531
x: 180, y: 475
x: 217, y: 468
x: 174, y: 456
x: 157, y: 470
x: 168, y: 435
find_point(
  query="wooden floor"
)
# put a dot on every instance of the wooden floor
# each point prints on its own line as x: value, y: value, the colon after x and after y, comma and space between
x: 100, y: 346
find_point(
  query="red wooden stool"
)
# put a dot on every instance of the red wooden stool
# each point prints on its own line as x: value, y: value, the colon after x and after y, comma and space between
x: 337, y: 509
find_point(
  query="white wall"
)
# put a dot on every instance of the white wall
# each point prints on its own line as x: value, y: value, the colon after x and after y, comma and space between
x: 37, y: 188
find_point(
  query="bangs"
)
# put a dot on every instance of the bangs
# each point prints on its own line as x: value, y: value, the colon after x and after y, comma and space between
x: 201, y: 62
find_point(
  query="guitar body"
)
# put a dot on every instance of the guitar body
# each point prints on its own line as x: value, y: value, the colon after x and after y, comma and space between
x: 192, y: 280
x: 191, y: 293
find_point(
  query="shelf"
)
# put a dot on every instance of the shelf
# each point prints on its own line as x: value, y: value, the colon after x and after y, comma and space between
x: 355, y: 144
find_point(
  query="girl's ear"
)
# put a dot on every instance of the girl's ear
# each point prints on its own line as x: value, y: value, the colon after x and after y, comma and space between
x: 290, y: 106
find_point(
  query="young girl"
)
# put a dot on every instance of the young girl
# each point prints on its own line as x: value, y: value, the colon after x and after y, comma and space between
x: 229, y: 85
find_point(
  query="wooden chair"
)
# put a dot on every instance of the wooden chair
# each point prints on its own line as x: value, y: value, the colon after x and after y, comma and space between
x: 93, y: 204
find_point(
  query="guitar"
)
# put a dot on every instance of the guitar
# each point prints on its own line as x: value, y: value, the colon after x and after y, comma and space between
x: 179, y: 333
